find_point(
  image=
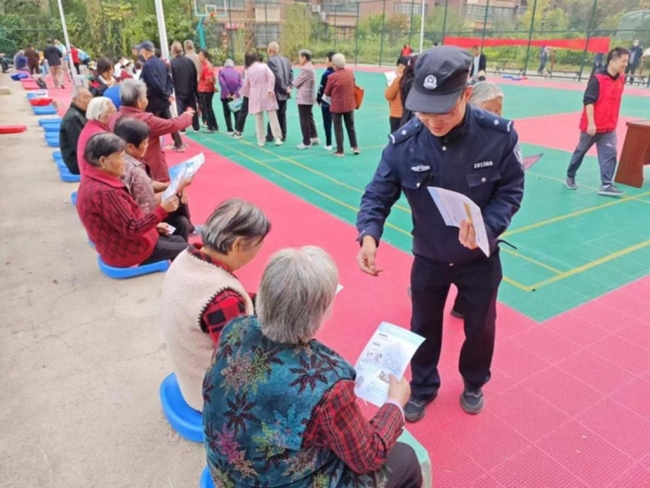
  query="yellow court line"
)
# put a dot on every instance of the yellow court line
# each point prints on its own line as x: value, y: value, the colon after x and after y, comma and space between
x: 343, y: 204
x: 592, y: 264
x: 560, y: 180
x: 531, y: 260
x: 560, y: 218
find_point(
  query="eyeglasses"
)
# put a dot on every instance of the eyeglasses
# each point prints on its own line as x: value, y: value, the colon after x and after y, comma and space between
x: 446, y: 115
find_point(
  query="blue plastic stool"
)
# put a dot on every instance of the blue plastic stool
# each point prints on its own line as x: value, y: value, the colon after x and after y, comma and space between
x: 73, y: 198
x: 52, y: 141
x: 51, y: 128
x: 57, y: 155
x: 21, y: 75
x: 68, y: 177
x: 49, y: 110
x: 49, y: 120
x: 206, y: 479
x: 126, y: 273
x: 183, y: 418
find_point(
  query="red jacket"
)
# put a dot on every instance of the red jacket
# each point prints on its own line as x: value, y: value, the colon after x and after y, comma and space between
x: 608, y: 103
x: 155, y: 156
x: 91, y: 128
x: 122, y: 234
x: 340, y: 87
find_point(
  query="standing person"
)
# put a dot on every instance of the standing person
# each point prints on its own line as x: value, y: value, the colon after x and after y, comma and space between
x: 406, y: 51
x: 602, y: 105
x: 479, y: 66
x: 185, y: 82
x: 33, y: 60
x: 159, y: 87
x: 394, y: 98
x: 450, y: 141
x: 72, y: 124
x: 191, y: 53
x: 230, y: 84
x: 324, y: 105
x: 305, y: 83
x: 340, y: 90
x: 281, y: 69
x: 53, y: 57
x: 74, y: 52
x: 242, y: 114
x: 405, y: 87
x: 636, y: 58
x: 259, y: 87
x: 206, y: 90
x: 543, y: 57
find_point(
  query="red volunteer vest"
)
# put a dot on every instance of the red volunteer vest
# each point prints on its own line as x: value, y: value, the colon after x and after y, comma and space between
x: 608, y: 106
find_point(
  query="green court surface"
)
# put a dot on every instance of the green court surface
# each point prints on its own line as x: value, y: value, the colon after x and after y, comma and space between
x: 572, y: 246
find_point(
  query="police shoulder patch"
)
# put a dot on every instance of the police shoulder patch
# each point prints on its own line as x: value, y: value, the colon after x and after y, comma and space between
x: 492, y: 121
x: 406, y: 132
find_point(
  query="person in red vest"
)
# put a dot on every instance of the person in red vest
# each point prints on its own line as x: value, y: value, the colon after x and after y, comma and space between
x: 602, y: 105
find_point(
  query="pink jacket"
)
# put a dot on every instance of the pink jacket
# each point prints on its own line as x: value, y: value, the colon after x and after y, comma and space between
x: 257, y: 85
x: 91, y: 128
x: 155, y: 156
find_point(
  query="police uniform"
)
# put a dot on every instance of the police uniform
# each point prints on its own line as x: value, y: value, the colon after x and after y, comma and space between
x: 479, y: 158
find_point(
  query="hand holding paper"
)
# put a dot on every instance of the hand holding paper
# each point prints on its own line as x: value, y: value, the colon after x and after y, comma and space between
x: 183, y: 173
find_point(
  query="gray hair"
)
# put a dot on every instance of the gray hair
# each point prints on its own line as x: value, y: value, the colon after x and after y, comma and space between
x: 177, y: 48
x: 98, y: 107
x: 305, y: 53
x: 296, y: 293
x: 231, y: 220
x: 132, y: 91
x: 338, y: 60
x: 102, y: 145
x: 483, y: 92
x: 274, y: 47
x: 79, y: 91
x: 229, y: 63
x: 189, y: 45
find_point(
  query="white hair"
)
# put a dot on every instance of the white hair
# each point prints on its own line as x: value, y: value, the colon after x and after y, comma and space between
x: 231, y: 220
x: 132, y: 91
x: 274, y: 47
x: 483, y: 92
x: 296, y: 293
x: 98, y: 107
x: 79, y: 91
x: 229, y: 63
x: 338, y: 60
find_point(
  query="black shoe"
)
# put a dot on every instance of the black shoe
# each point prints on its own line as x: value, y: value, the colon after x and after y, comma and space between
x: 456, y: 315
x: 414, y: 409
x: 471, y: 400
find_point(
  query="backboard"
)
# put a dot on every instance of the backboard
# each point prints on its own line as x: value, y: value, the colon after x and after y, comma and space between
x: 211, y: 8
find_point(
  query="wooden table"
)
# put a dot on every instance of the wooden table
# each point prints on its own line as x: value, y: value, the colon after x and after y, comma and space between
x: 635, y: 155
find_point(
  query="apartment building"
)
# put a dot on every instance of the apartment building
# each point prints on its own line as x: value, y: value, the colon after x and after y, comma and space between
x: 486, y: 13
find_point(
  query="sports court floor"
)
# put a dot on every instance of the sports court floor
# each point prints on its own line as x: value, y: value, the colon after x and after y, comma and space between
x: 568, y: 402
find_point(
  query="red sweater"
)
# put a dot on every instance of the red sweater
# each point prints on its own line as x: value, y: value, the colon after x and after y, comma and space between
x: 605, y: 92
x: 155, y: 156
x: 91, y: 128
x: 340, y: 87
x: 122, y: 234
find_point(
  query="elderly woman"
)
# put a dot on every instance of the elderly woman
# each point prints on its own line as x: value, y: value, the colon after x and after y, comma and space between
x: 230, y: 83
x: 201, y: 293
x: 259, y: 87
x: 488, y: 96
x: 340, y: 91
x: 123, y: 235
x: 133, y: 94
x: 280, y: 406
x: 306, y: 85
x: 98, y: 112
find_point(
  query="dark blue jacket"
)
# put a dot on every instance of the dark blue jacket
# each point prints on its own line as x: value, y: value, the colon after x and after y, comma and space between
x: 480, y: 159
x: 321, y: 88
x: 159, y: 84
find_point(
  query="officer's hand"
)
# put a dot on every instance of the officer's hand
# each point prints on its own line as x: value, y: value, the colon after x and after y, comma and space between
x: 399, y: 391
x: 366, y: 256
x: 591, y: 129
x: 467, y: 235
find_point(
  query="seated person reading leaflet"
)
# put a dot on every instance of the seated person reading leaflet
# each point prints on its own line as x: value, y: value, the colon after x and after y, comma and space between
x: 280, y: 407
x: 122, y: 234
x: 137, y: 177
x: 201, y: 294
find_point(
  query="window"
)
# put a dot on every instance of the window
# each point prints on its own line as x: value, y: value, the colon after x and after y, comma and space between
x: 477, y: 13
x: 409, y: 8
x: 237, y: 4
x: 339, y: 6
x: 266, y: 33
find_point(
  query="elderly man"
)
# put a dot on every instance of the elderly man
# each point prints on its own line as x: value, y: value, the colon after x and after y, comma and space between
x: 98, y: 112
x: 160, y: 87
x: 72, y: 124
x: 185, y: 82
x: 280, y: 406
x: 281, y: 68
x: 53, y: 56
x: 134, y: 102
x: 191, y: 53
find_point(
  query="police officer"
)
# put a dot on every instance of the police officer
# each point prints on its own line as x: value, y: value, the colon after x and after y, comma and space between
x: 451, y: 145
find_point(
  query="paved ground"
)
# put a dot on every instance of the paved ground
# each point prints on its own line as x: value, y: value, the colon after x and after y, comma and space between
x: 80, y: 355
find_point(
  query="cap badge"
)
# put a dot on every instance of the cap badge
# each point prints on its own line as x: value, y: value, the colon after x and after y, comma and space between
x: 430, y: 82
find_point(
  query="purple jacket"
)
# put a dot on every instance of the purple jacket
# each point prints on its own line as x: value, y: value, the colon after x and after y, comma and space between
x: 229, y: 82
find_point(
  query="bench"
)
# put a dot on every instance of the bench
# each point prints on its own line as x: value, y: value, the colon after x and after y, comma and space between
x: 575, y: 75
x: 516, y: 70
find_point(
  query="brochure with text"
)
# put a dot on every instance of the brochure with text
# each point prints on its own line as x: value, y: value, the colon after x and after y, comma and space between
x: 186, y: 169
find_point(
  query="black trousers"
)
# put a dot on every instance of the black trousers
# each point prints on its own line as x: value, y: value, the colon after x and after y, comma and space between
x: 477, y: 283
x: 403, y: 462
x: 181, y: 220
x: 282, y: 119
x: 395, y: 123
x: 307, y: 124
x: 338, y: 120
x: 240, y: 118
x: 227, y: 113
x: 208, y: 110
x: 630, y: 70
x: 327, y: 123
x: 167, y: 247
x: 166, y: 114
x: 183, y: 102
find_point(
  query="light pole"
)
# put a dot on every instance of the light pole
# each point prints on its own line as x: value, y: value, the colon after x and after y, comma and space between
x: 162, y: 29
x: 66, y: 39
x: 424, y: 8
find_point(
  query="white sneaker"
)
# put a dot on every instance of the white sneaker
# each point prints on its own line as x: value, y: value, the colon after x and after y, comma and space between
x: 315, y: 141
x: 260, y: 144
x: 303, y: 146
x: 278, y: 142
x: 327, y: 148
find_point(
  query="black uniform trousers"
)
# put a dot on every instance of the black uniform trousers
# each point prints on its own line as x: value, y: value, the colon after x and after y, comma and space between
x: 327, y: 123
x: 282, y: 119
x: 166, y: 114
x: 307, y: 124
x: 477, y: 283
x: 183, y: 102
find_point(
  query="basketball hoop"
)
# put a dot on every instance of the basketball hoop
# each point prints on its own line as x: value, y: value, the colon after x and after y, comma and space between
x: 213, y: 14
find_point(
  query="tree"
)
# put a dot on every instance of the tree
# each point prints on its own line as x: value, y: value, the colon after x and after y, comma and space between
x: 297, y: 29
